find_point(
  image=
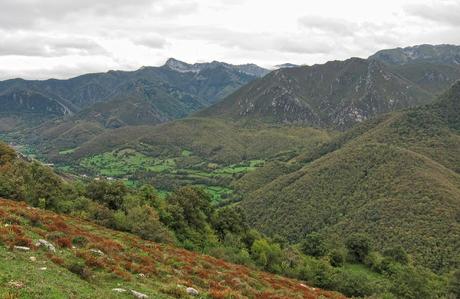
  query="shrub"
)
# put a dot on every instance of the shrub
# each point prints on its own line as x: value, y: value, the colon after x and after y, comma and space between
x: 22, y: 241
x: 144, y: 222
x: 81, y: 270
x: 64, y: 242
x: 374, y: 261
x: 52, y: 236
x: 80, y: 241
x: 358, y: 246
x: 454, y: 284
x: 34, y: 219
x: 55, y: 259
x: 266, y: 255
x: 353, y: 284
x: 398, y: 254
x: 314, y: 245
x: 337, y: 258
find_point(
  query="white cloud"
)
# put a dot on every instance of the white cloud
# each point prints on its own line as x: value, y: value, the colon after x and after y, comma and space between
x: 61, y: 38
x: 151, y: 40
x: 444, y: 12
x: 31, y: 44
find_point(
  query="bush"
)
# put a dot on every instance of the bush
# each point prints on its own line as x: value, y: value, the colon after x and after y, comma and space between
x: 454, y: 284
x: 318, y: 273
x: 398, y: 254
x: 374, y: 261
x: 109, y: 194
x: 52, y: 236
x: 267, y: 255
x: 354, y: 284
x: 64, y: 242
x: 144, y: 222
x: 81, y: 270
x: 80, y: 241
x: 337, y: 258
x: 358, y: 246
x: 314, y: 245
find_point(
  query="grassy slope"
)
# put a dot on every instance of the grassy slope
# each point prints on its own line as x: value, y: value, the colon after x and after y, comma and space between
x: 166, y: 270
x: 396, y: 178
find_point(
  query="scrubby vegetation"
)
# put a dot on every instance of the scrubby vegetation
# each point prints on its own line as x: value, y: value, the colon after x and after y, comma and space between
x: 187, y: 218
x: 109, y: 260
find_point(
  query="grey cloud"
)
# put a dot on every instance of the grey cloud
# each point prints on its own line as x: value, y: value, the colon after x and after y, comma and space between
x: 262, y: 41
x: 441, y: 12
x: 151, y: 41
x: 44, y: 46
x: 303, y: 46
x: 329, y: 25
x: 31, y: 13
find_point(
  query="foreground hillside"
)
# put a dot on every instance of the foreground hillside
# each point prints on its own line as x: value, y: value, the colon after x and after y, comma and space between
x: 91, y: 261
x: 395, y: 179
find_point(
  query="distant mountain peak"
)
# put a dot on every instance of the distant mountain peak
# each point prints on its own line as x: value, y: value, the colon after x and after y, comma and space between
x: 248, y: 69
x: 285, y: 66
x: 440, y: 54
x: 180, y: 66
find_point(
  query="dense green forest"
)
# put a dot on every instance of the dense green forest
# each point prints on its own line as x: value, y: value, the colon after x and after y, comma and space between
x: 394, y: 178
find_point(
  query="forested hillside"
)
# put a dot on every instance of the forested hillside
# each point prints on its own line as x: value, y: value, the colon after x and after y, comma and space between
x: 97, y: 260
x: 395, y: 179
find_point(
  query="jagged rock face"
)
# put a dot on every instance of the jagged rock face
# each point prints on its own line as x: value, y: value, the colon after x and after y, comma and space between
x: 439, y: 54
x: 337, y: 94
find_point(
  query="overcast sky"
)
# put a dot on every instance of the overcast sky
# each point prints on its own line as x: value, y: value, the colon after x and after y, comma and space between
x: 64, y: 38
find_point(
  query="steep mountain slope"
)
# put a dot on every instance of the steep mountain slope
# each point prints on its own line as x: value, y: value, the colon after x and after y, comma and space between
x: 337, y: 94
x: 91, y: 261
x: 148, y: 95
x: 436, y: 54
x: 395, y: 178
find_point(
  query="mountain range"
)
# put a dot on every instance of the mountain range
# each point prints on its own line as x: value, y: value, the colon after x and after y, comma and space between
x: 339, y: 94
x: 361, y: 145
x: 149, y: 95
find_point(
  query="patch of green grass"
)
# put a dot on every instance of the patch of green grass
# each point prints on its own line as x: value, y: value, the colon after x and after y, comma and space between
x: 186, y: 153
x: 117, y: 164
x: 243, y: 167
x: 217, y: 192
x: 67, y: 152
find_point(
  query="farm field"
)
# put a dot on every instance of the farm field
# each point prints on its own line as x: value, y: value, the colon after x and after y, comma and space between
x: 186, y: 169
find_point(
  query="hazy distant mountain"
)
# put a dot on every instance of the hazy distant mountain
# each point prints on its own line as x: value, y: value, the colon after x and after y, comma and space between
x: 337, y: 94
x: 249, y: 69
x: 285, y: 65
x: 148, y: 95
x: 439, y: 54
